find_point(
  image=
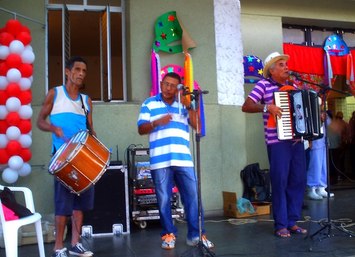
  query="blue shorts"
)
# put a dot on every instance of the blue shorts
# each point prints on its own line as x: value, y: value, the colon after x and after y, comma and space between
x: 65, y: 201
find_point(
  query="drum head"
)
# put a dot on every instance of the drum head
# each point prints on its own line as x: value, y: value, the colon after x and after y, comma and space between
x: 67, y: 151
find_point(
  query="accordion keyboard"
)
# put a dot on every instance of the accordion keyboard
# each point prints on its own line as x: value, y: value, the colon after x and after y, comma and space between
x: 284, y: 124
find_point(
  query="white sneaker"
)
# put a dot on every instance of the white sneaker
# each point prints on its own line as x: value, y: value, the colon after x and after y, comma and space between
x: 196, y: 240
x: 323, y: 193
x: 311, y: 194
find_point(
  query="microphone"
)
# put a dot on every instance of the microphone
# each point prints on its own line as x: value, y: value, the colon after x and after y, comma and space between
x: 295, y: 74
x: 181, y: 87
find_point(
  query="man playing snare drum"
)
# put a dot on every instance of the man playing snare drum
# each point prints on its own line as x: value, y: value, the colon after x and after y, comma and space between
x: 64, y: 106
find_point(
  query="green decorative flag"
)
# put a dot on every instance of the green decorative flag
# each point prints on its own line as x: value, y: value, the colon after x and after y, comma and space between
x: 170, y: 35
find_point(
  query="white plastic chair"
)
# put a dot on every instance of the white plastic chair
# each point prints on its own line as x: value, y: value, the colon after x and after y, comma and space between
x: 10, y: 228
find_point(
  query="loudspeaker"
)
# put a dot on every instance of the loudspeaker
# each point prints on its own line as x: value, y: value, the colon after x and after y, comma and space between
x: 111, y: 202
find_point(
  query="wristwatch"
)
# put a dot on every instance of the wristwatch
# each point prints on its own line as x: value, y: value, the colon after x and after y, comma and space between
x: 265, y: 108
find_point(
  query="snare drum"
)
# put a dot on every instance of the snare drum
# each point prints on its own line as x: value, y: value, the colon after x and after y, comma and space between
x: 80, y: 163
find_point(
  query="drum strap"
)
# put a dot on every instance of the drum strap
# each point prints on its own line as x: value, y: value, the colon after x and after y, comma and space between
x: 86, y: 114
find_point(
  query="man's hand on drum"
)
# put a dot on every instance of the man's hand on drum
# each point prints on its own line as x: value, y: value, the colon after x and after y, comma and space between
x: 57, y: 131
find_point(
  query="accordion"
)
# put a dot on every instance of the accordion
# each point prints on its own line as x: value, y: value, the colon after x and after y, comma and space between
x: 300, y: 115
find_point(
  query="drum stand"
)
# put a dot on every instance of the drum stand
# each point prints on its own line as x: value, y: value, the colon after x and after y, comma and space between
x: 326, y: 230
x: 200, y: 250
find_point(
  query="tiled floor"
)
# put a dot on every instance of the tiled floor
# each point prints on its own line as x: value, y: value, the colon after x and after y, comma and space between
x: 242, y: 237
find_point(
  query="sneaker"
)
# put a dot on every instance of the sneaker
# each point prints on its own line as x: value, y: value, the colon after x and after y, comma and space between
x: 323, y: 193
x: 60, y: 253
x: 80, y: 250
x: 168, y: 241
x: 194, y: 241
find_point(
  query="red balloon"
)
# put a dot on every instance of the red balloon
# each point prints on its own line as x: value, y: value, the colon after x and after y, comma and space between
x: 13, y: 89
x: 25, y: 29
x: 25, y: 97
x: 13, y: 61
x: 25, y: 126
x: 3, y: 69
x: 3, y: 97
x: 26, y: 70
x: 24, y: 37
x: 3, y: 126
x: 6, y: 38
x: 13, y: 148
x: 13, y: 26
x: 13, y: 118
x: 4, y: 156
x: 25, y: 154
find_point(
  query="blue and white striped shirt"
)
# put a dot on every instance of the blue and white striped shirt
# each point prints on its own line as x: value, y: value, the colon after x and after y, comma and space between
x: 169, y: 144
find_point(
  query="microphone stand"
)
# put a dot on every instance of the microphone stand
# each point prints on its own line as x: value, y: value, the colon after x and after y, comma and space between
x: 200, y: 250
x: 327, y: 226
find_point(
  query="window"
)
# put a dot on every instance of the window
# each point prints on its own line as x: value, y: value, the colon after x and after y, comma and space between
x: 95, y: 32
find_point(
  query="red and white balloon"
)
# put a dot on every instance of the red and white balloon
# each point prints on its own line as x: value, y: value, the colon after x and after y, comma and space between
x: 16, y: 70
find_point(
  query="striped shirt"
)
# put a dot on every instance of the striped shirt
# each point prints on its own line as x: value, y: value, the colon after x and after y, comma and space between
x: 67, y: 114
x: 169, y: 144
x: 263, y: 92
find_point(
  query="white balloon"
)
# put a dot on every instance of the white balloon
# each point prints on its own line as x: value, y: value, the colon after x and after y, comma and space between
x: 25, y: 112
x: 3, y: 140
x: 13, y: 75
x: 4, y: 52
x: 3, y: 82
x: 31, y: 79
x: 25, y: 170
x: 27, y: 56
x: 25, y: 83
x: 13, y: 104
x: 9, y: 175
x: 25, y: 140
x: 15, y: 162
x: 13, y: 133
x: 3, y: 112
x: 16, y: 46
x: 29, y: 47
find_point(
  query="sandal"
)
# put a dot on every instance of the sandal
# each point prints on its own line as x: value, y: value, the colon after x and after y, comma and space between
x: 297, y: 230
x: 282, y: 233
